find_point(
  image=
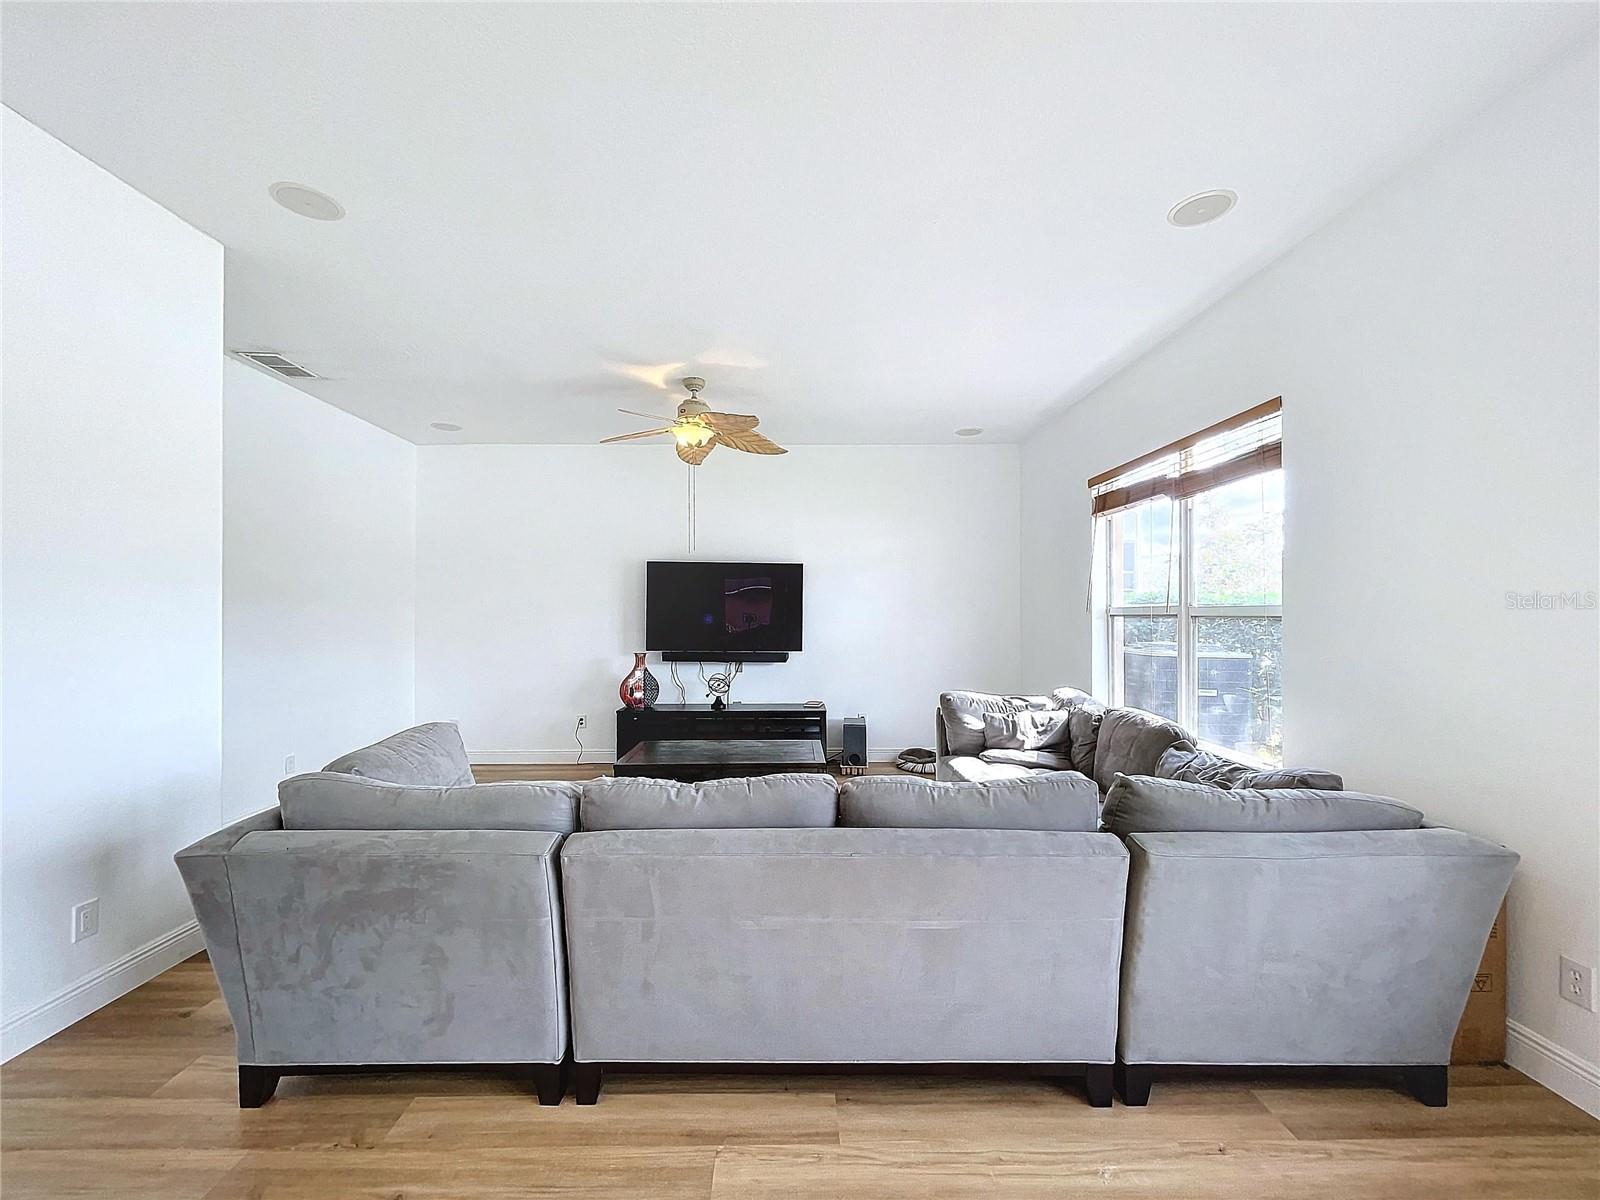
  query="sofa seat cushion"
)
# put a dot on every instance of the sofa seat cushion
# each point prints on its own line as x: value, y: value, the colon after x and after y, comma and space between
x: 1131, y: 742
x: 1030, y: 729
x: 1137, y: 804
x: 793, y: 801
x: 329, y: 800
x: 1059, y: 801
x: 1034, y: 760
x: 431, y: 754
x: 969, y: 768
x: 1202, y: 766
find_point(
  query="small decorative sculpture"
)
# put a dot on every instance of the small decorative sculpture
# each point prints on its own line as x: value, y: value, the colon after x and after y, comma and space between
x: 720, y: 684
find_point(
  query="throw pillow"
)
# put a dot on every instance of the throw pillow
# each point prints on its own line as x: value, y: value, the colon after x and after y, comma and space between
x: 1029, y: 730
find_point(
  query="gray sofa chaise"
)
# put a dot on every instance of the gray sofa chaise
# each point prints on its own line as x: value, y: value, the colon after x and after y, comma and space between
x: 389, y: 912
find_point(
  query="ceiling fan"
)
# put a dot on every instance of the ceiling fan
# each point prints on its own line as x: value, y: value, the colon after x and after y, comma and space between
x: 698, y: 431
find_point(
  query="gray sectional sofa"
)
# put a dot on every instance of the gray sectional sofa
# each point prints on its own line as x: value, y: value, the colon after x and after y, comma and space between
x: 390, y: 913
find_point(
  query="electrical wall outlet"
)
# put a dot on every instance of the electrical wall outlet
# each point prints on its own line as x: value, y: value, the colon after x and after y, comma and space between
x: 288, y: 764
x: 583, y: 721
x: 85, y: 919
x: 1577, y: 983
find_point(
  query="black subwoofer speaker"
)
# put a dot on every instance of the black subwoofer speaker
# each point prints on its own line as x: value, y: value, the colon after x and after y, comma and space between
x: 853, y: 757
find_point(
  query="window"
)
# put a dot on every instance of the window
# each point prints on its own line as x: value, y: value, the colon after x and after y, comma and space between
x: 1189, y: 541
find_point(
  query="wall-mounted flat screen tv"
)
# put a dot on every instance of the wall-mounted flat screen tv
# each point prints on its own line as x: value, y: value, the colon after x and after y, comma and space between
x: 723, y: 611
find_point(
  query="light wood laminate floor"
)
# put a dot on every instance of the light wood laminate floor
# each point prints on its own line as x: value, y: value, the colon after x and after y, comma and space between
x: 495, y: 773
x: 139, y: 1100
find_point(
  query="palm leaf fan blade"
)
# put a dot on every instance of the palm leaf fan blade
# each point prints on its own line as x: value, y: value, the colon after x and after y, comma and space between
x: 643, y: 433
x: 750, y: 443
x: 730, y: 422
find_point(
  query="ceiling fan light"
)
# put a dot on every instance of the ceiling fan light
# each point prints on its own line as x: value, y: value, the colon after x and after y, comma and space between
x: 692, y: 433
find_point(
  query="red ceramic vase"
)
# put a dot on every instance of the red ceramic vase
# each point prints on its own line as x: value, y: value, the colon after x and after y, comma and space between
x: 632, y: 688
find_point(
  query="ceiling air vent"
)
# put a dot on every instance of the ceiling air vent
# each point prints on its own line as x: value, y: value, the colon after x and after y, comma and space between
x: 276, y: 363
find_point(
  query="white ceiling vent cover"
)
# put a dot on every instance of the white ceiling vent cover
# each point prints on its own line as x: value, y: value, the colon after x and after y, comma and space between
x: 276, y: 363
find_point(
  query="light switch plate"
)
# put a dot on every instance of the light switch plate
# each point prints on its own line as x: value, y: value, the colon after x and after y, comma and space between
x: 85, y: 919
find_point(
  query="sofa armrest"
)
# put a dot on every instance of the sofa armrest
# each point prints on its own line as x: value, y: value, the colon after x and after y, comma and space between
x: 402, y: 946
x: 205, y: 875
x: 941, y: 740
x: 1304, y: 948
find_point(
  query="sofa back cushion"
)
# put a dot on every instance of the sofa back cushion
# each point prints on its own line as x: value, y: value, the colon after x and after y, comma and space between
x: 795, y: 801
x: 1062, y: 801
x: 329, y: 800
x: 431, y: 754
x: 1028, y: 729
x: 1202, y: 766
x: 1137, y: 804
x: 1131, y: 742
x: 962, y: 714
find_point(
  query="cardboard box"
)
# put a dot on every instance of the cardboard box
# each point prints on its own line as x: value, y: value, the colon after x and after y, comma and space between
x: 1481, y: 1036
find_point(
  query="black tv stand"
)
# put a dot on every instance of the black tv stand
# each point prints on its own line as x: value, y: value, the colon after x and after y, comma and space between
x: 701, y: 722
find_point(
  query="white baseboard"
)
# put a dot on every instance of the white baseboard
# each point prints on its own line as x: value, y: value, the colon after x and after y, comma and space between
x: 1563, y: 1072
x: 607, y: 754
x: 97, y: 989
x: 499, y: 758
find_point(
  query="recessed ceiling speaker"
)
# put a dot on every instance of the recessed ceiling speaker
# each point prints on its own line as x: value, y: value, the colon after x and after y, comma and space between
x: 1201, y: 208
x: 308, y: 202
x: 853, y: 755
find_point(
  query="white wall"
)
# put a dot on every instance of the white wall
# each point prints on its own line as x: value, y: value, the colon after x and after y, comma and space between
x: 112, y: 530
x: 319, y: 584
x: 530, y: 565
x: 1436, y: 350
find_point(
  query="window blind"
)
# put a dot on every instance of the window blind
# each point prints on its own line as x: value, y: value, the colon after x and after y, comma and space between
x: 1242, y: 445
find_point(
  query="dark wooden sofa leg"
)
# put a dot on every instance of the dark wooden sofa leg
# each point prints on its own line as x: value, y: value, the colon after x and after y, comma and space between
x: 1097, y: 1082
x: 588, y: 1085
x: 256, y: 1085
x: 1133, y: 1082
x: 549, y: 1080
x: 1431, y: 1085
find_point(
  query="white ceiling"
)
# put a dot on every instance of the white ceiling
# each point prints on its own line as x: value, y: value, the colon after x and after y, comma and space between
x: 916, y: 217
